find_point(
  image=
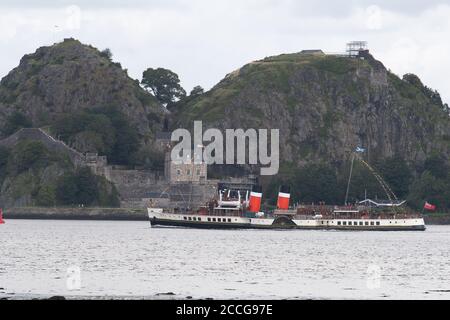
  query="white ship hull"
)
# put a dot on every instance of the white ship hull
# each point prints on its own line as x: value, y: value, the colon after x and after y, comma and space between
x: 158, y: 217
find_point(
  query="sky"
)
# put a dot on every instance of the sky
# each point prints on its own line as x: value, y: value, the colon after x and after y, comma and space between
x: 203, y: 40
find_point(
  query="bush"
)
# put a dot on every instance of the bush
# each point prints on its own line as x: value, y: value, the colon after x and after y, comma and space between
x: 82, y: 187
x: 14, y: 122
x: 28, y: 155
x: 107, y: 127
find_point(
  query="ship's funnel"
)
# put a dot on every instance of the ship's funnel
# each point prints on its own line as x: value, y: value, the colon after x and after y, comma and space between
x: 283, y: 198
x: 255, y: 199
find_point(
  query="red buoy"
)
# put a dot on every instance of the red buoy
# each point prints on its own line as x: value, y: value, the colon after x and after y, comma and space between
x: 1, y: 217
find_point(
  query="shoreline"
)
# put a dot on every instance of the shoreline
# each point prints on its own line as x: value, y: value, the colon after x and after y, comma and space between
x: 125, y: 214
x: 56, y: 213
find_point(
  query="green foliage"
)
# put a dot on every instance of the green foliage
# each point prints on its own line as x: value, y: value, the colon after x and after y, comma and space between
x: 363, y: 183
x: 108, y: 131
x: 397, y: 174
x: 82, y: 187
x: 4, y: 155
x: 312, y: 183
x: 433, y: 95
x: 163, y: 84
x: 334, y: 64
x: 67, y: 189
x: 46, y: 196
x: 106, y: 54
x: 149, y: 159
x: 316, y: 183
x: 432, y: 189
x: 15, y: 121
x: 437, y: 167
x: 196, y: 91
x: 28, y: 155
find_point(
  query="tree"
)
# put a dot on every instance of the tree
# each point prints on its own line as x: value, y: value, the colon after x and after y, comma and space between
x: 107, y: 54
x: 67, y: 189
x: 315, y: 183
x: 437, y: 166
x: 163, y: 84
x: 196, y: 91
x: 4, y: 155
x: 28, y: 155
x: 15, y: 121
x: 86, y: 183
x: 397, y: 174
x: 46, y: 196
x: 429, y: 188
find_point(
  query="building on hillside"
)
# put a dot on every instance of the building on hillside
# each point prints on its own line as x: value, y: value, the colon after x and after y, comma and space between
x: 187, y: 170
x: 313, y: 51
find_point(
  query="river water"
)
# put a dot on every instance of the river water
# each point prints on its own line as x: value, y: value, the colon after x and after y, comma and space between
x: 87, y: 259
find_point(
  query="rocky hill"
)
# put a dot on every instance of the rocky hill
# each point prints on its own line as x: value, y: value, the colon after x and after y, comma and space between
x: 327, y: 105
x: 69, y: 77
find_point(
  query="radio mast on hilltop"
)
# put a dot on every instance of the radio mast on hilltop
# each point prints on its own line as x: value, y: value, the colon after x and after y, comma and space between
x: 354, y: 48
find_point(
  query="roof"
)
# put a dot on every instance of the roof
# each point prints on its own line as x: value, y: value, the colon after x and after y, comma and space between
x: 384, y: 203
x: 312, y: 51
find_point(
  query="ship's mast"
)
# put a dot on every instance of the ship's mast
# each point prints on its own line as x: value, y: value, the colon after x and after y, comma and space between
x: 389, y: 193
x: 349, y: 179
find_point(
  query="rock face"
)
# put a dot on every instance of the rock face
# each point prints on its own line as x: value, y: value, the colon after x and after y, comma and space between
x: 325, y: 106
x: 68, y: 77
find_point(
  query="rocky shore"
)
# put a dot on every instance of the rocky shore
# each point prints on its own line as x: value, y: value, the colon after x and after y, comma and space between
x: 114, y: 214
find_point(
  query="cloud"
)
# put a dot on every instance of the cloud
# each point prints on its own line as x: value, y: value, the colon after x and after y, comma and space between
x: 203, y: 40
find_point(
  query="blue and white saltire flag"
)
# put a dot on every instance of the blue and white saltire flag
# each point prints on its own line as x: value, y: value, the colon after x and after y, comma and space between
x: 360, y: 150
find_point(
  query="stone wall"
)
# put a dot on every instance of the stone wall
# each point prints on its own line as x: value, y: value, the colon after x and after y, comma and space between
x: 137, y: 188
x: 37, y: 134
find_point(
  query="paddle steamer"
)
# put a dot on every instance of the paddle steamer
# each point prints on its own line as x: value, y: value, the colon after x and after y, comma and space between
x: 233, y: 210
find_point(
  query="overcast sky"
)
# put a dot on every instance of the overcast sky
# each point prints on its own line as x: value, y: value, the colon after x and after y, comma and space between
x: 203, y: 40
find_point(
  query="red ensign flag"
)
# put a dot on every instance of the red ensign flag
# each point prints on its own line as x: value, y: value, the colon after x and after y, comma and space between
x: 429, y: 206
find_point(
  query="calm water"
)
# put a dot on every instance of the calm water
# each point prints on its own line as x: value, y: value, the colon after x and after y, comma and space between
x: 131, y: 259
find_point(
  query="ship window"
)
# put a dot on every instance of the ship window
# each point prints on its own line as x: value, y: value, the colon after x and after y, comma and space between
x: 199, y: 219
x: 339, y: 223
x: 185, y: 218
x: 355, y: 223
x: 378, y: 223
x: 366, y: 223
x: 190, y: 218
x: 218, y: 219
x: 372, y: 223
x: 214, y: 219
x: 344, y: 223
x: 361, y: 223
x: 209, y: 219
x: 229, y: 220
x: 198, y: 172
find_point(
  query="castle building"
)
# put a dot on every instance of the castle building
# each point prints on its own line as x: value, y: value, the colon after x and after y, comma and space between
x: 185, y: 171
